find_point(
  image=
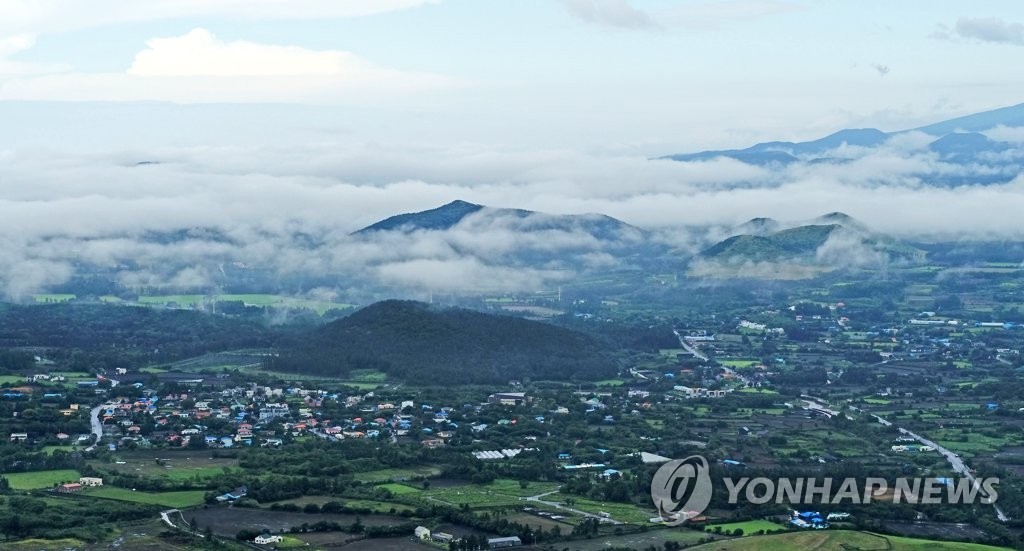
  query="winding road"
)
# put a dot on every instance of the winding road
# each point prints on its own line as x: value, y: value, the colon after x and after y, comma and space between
x: 97, y: 427
x: 958, y: 465
x: 556, y: 505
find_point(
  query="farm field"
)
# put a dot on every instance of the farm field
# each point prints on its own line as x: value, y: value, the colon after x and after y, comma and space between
x: 38, y: 480
x: 749, y: 527
x: 176, y: 500
x: 397, y: 475
x: 838, y: 540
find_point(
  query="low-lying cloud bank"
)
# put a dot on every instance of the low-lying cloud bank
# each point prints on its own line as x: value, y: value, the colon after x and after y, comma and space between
x: 289, y: 210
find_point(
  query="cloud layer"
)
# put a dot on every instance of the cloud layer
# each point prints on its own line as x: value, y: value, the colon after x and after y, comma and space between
x: 288, y: 210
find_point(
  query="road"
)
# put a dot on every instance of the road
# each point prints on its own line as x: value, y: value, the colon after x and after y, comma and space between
x: 691, y: 349
x: 958, y: 465
x: 538, y: 499
x: 97, y: 427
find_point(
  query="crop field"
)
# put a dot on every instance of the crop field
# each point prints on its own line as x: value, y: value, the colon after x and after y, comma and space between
x: 41, y: 479
x: 178, y: 500
x: 624, y: 512
x: 399, y: 489
x: 838, y: 540
x: 641, y: 540
x: 501, y: 492
x: 175, y: 465
x: 397, y: 475
x: 749, y: 527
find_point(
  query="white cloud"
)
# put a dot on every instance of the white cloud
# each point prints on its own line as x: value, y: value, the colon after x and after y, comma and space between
x: 13, y: 44
x: 612, y: 13
x: 198, y: 67
x: 983, y: 29
x: 200, y: 53
x: 45, y: 16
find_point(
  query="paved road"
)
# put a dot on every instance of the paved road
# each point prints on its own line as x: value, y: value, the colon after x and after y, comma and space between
x: 97, y: 427
x: 958, y: 465
x: 538, y: 499
x: 691, y: 349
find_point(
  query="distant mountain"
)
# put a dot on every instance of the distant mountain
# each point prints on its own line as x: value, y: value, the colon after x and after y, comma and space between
x: 789, y: 152
x: 449, y: 216
x: 440, y: 218
x: 958, y: 141
x: 416, y: 342
x: 979, y: 122
x: 757, y: 226
x: 832, y: 239
x: 800, y: 241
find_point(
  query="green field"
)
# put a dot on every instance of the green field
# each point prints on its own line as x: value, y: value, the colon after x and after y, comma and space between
x: 501, y: 492
x: 736, y: 364
x: 399, y: 489
x: 259, y: 300
x: 11, y: 379
x: 749, y: 527
x: 397, y: 475
x: 838, y: 540
x: 167, y: 499
x: 41, y: 479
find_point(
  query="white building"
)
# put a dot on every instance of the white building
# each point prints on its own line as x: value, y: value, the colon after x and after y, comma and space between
x: 264, y: 540
x: 422, y: 533
x: 90, y: 481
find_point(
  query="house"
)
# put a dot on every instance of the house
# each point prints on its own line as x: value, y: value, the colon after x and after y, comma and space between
x: 19, y: 436
x: 69, y: 488
x: 90, y: 481
x: 421, y: 533
x: 267, y: 539
x: 508, y: 398
x: 235, y: 495
x: 273, y: 410
x: 442, y: 537
x: 500, y: 543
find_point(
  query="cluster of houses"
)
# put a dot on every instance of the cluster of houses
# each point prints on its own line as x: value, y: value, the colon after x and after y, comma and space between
x: 423, y: 533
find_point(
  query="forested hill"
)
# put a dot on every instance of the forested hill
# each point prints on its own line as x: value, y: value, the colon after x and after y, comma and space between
x: 415, y: 342
x: 129, y: 332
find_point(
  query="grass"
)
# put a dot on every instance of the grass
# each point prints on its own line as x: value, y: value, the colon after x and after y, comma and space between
x: 399, y: 489
x: 395, y: 475
x: 736, y: 364
x: 749, y: 527
x: 44, y: 545
x: 610, y: 382
x: 177, y: 500
x: 41, y: 479
x: 11, y: 379
x: 838, y: 540
x: 625, y: 512
x: 501, y: 492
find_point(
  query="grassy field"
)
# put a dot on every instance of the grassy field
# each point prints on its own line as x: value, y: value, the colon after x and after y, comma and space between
x: 11, y: 379
x: 399, y: 489
x: 501, y: 492
x: 838, y: 540
x: 168, y: 499
x: 41, y: 479
x: 619, y: 511
x: 749, y: 527
x: 397, y: 475
x: 738, y: 363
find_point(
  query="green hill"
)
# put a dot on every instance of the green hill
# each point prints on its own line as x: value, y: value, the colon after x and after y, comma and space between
x: 419, y: 343
x: 793, y: 242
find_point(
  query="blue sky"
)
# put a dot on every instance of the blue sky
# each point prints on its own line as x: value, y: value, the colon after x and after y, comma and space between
x: 648, y: 76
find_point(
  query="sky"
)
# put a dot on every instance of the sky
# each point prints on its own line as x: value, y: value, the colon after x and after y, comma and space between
x: 643, y: 76
x: 263, y: 118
